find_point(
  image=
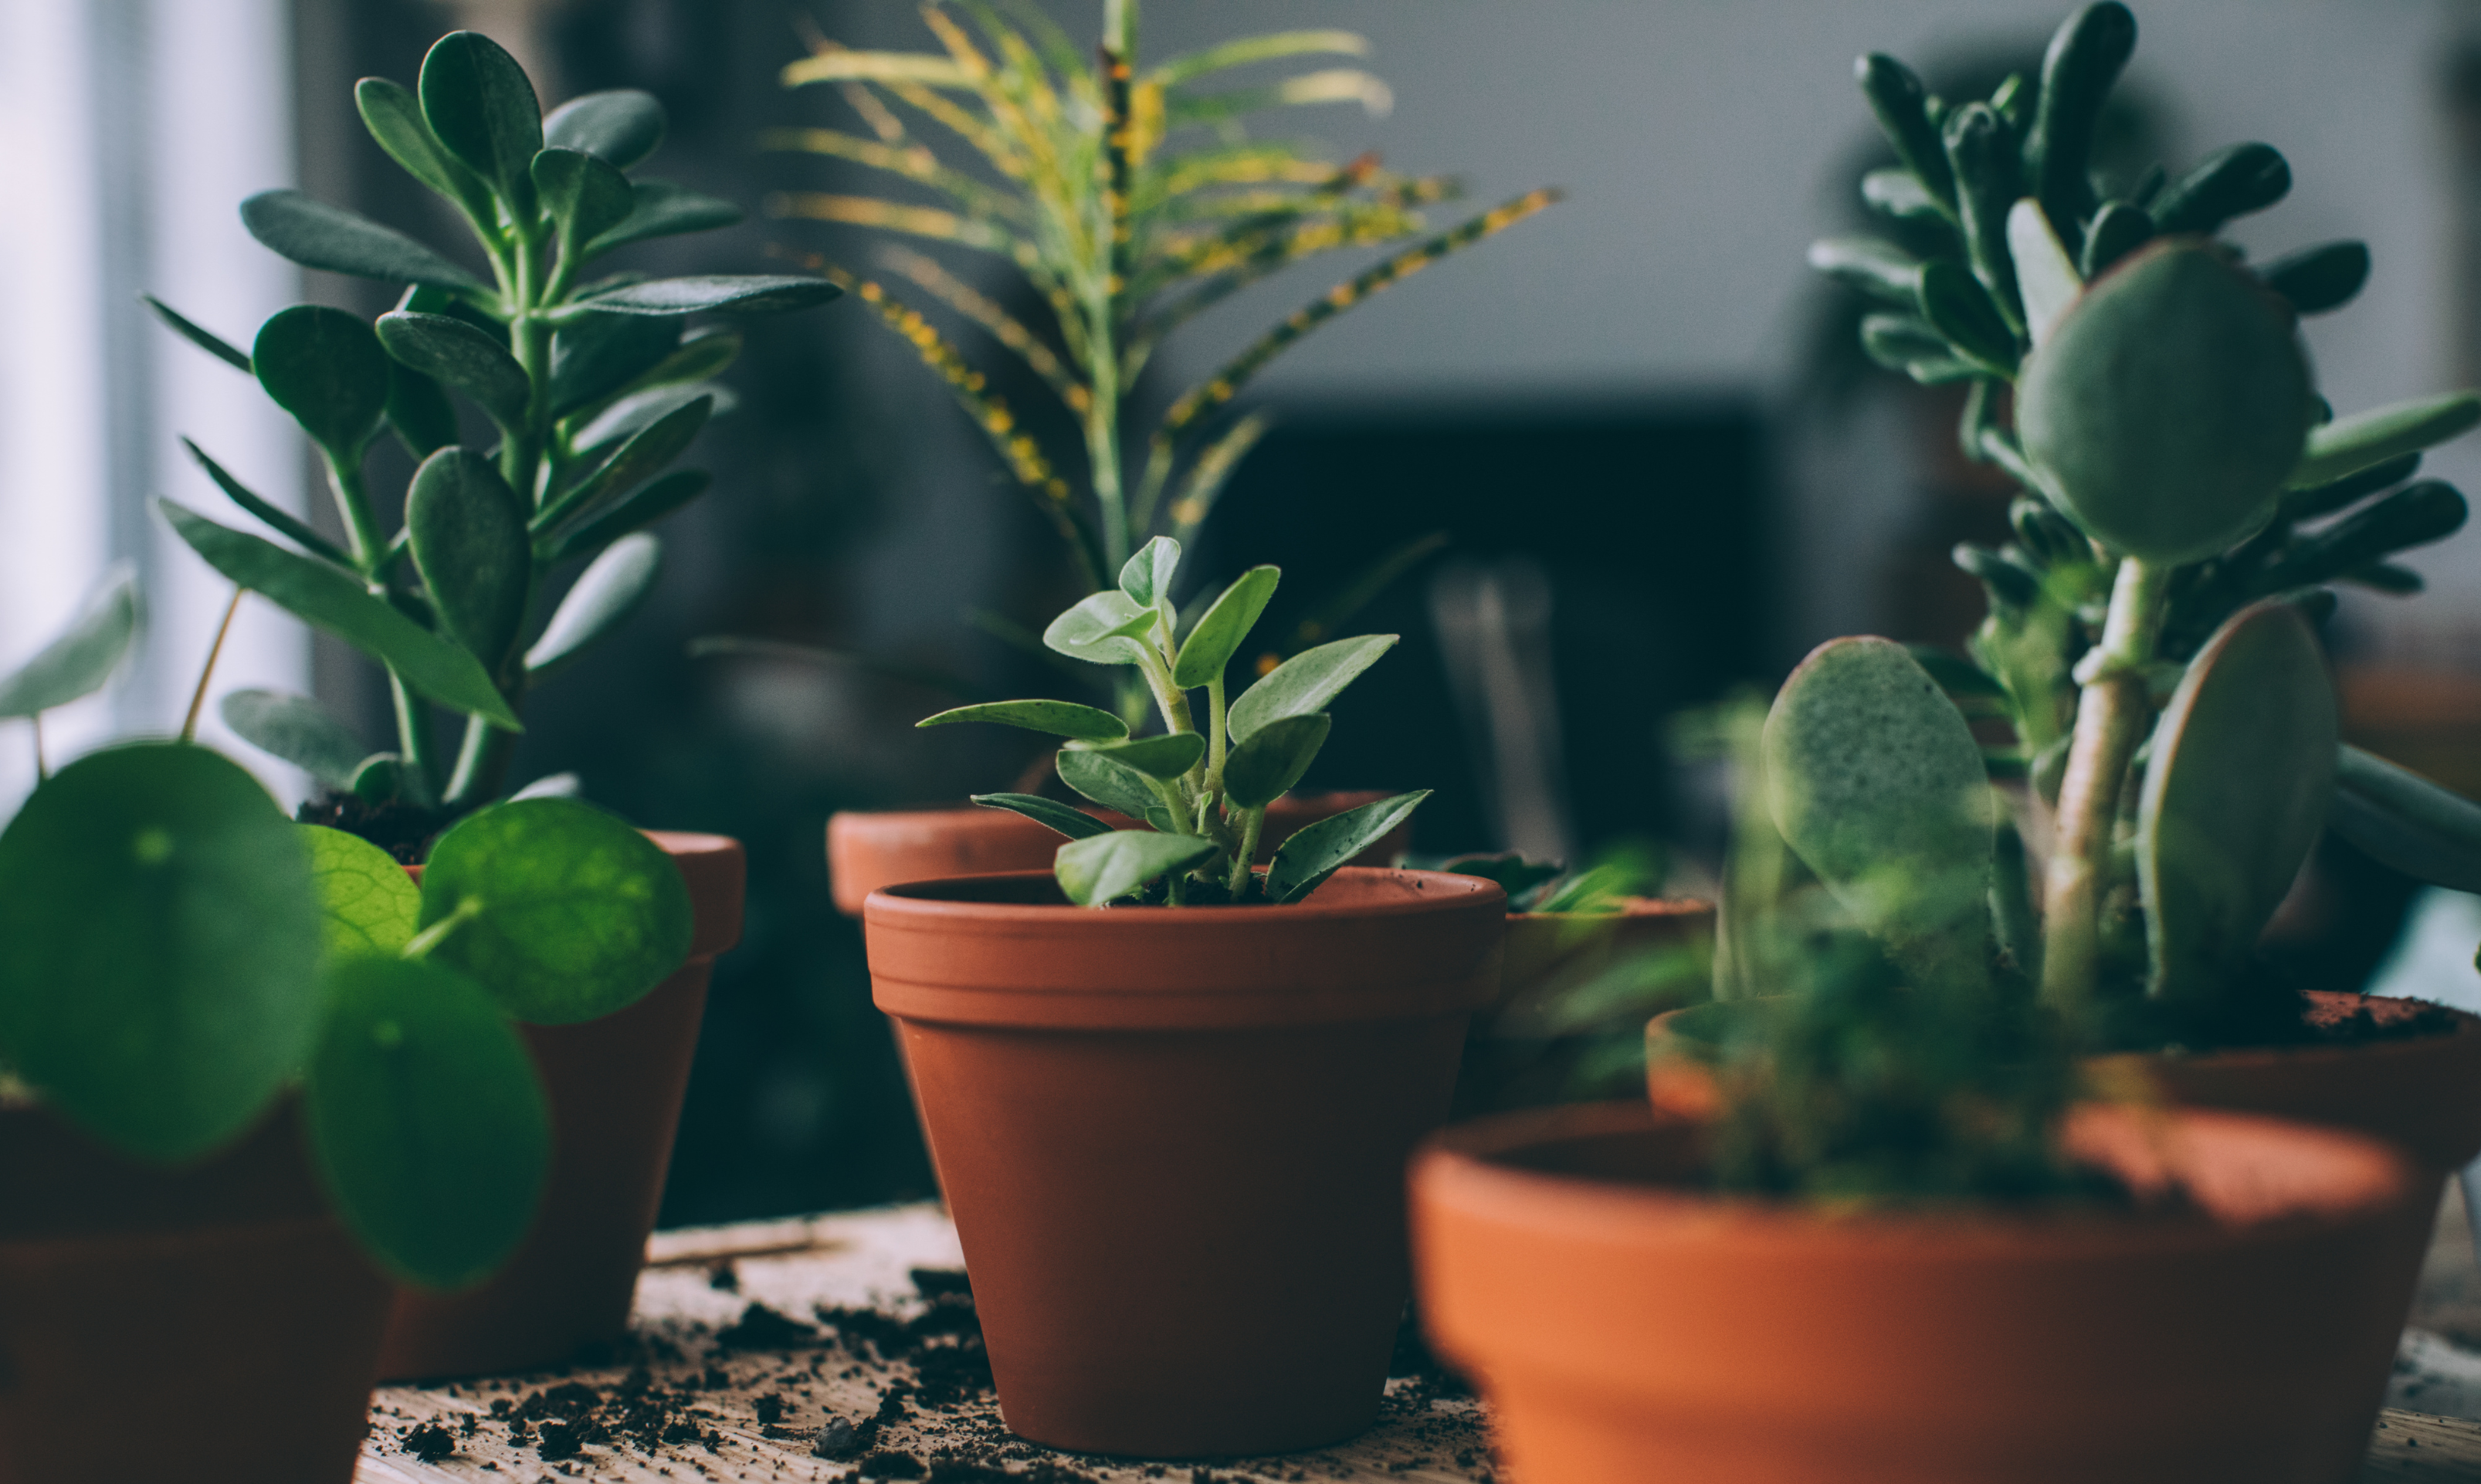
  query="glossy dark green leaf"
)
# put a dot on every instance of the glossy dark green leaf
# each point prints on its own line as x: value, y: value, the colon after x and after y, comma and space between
x: 1113, y: 785
x: 317, y: 235
x: 716, y: 294
x: 2231, y: 182
x: 1166, y: 757
x: 426, y: 1121
x: 161, y: 980
x: 1880, y: 270
x: 596, y: 354
x: 603, y: 596
x: 2403, y: 821
x: 456, y: 355
x: 584, y: 195
x: 1305, y: 682
x: 703, y: 353
x: 1982, y: 149
x: 2117, y: 230
x: 483, y: 112
x: 576, y: 915
x: 620, y: 126
x: 1267, y: 764
x: 2363, y: 440
x: 2317, y: 279
x: 1310, y: 855
x: 663, y: 209
x: 629, y: 415
x: 1075, y: 823
x: 367, y: 902
x: 337, y: 602
x: 393, y: 116
x: 205, y: 339
x: 1102, y: 868
x: 326, y: 368
x: 647, y: 505
x: 1103, y: 628
x: 1058, y: 718
x: 1897, y: 192
x: 1898, y: 99
x: 419, y: 410
x: 633, y: 463
x: 1900, y: 342
x: 84, y: 656
x: 1220, y: 631
x: 468, y: 533
x: 1146, y: 577
x: 2084, y: 60
x: 2317, y: 500
x: 2420, y: 513
x: 1954, y: 303
x: 297, y: 730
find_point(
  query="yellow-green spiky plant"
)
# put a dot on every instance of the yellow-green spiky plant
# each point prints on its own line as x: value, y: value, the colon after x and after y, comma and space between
x: 1131, y: 199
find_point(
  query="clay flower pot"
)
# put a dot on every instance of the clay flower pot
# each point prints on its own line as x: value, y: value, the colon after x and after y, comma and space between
x: 214, y: 1322
x: 615, y: 1086
x: 1524, y: 1047
x: 1173, y: 1140
x: 868, y: 848
x: 1627, y: 1325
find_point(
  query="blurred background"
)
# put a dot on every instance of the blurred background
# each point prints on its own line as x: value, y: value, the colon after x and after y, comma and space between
x: 1660, y: 468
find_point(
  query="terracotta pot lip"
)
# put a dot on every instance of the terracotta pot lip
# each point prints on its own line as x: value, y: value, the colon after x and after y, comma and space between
x: 928, y: 904
x: 1630, y: 906
x: 907, y: 812
x: 1464, y: 1167
x: 2467, y: 1026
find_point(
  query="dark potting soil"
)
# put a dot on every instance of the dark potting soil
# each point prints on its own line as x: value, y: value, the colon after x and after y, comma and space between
x: 402, y: 830
x: 2272, y: 1019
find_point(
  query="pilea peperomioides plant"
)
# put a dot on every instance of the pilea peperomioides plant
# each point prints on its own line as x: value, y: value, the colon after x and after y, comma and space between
x: 2150, y: 636
x: 1204, y: 791
x: 590, y: 386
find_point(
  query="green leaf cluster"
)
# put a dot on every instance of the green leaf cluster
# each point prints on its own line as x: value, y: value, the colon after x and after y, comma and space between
x: 1204, y: 793
x: 542, y: 404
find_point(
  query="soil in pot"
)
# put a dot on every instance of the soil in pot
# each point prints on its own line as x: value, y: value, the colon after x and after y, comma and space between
x: 615, y: 1086
x: 1173, y: 1141
x: 1627, y: 1325
x: 211, y: 1324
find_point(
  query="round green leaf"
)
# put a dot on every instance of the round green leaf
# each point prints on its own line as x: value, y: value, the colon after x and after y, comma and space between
x: 326, y: 368
x: 1113, y: 785
x: 367, y: 902
x: 1101, y: 869
x: 80, y: 660
x: 449, y: 350
x: 469, y: 541
x: 1146, y: 577
x: 1305, y: 682
x: 1059, y: 719
x: 1166, y: 757
x: 1217, y: 638
x: 1104, y: 628
x: 1272, y: 759
x: 426, y: 1120
x: 317, y: 235
x: 159, y: 980
x: 483, y: 110
x: 393, y: 114
x: 576, y: 915
x: 582, y: 194
x: 620, y: 126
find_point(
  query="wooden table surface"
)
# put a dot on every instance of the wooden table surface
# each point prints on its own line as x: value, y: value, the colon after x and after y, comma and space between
x: 732, y: 1370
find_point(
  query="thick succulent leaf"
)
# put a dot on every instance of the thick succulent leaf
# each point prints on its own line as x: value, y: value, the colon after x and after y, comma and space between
x: 2168, y: 405
x: 2044, y: 274
x: 198, y: 335
x: 317, y: 235
x: 1881, y: 270
x: 1220, y: 631
x: 1113, y: 785
x: 1269, y: 761
x: 418, y: 408
x: 1166, y: 757
x: 84, y: 656
x: 584, y: 195
x: 596, y: 354
x: 647, y: 505
x: 2317, y: 279
x: 637, y: 411
x: 1897, y: 192
x: 1104, y: 628
x: 604, y: 595
x: 2403, y: 821
x: 1058, y: 718
x: 1075, y: 823
x: 483, y: 110
x: 337, y: 602
x: 1146, y: 577
x: 576, y: 914
x: 1310, y: 855
x: 1878, y: 786
x: 326, y: 368
x: 1100, y: 870
x: 426, y: 1121
x: 2084, y: 58
x: 2236, y: 785
x: 648, y: 450
x: 660, y: 208
x: 716, y: 294
x: 161, y: 980
x: 1957, y: 305
x: 2350, y: 444
x: 1305, y: 682
x: 468, y: 533
x: 393, y: 114
x: 2231, y: 182
x: 297, y: 730
x: 620, y: 126
x: 456, y: 353
x: 1897, y: 96
x: 2117, y: 230
x: 367, y: 902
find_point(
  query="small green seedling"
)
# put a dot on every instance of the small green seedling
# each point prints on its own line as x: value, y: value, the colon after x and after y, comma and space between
x: 1204, y: 793
x: 585, y: 389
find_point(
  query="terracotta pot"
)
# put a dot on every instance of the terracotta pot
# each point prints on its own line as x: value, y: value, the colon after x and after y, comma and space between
x: 1173, y: 1140
x: 1627, y: 1326
x: 615, y: 1086
x: 211, y: 1324
x: 868, y: 850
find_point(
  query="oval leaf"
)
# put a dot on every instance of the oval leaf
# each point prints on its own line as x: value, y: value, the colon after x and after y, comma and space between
x: 418, y: 408
x: 576, y: 914
x: 85, y: 654
x: 620, y: 126
x: 326, y: 368
x: 1100, y: 870
x: 367, y: 902
x: 634, y: 462
x: 454, y: 352
x: 715, y: 293
x: 483, y: 110
x: 1075, y: 823
x: 393, y: 116
x: 663, y: 209
x: 1305, y: 682
x: 586, y: 196
x: 1113, y: 785
x: 647, y: 505
x: 161, y: 980
x: 426, y: 1119
x: 469, y: 540
x: 1310, y: 855
x: 1059, y: 719
x: 1146, y: 577
x: 607, y: 592
x: 1219, y: 632
x: 299, y: 730
x: 1104, y: 628
x: 634, y: 413
x: 1267, y: 766
x: 317, y: 235
x: 1166, y: 757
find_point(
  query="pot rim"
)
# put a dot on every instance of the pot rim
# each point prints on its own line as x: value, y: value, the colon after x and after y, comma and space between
x: 919, y: 903
x: 911, y: 814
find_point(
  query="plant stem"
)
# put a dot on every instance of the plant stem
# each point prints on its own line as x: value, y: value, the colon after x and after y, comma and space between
x: 1215, y: 736
x: 413, y: 732
x: 353, y: 504
x: 2112, y: 716
x: 206, y: 672
x: 482, y: 762
x: 465, y: 911
x: 1251, y: 822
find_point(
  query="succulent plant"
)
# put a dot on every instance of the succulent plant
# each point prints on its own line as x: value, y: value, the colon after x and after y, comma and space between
x: 590, y: 386
x: 1204, y: 793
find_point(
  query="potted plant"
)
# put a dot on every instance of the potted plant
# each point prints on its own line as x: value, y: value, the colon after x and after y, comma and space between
x: 237, y: 1049
x: 1125, y: 199
x: 1168, y: 1094
x: 590, y: 386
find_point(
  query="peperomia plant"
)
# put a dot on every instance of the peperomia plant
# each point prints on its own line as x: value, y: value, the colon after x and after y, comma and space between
x: 2150, y: 636
x: 1204, y: 791
x: 588, y: 385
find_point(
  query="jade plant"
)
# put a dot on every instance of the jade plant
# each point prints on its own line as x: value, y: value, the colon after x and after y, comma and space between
x: 1203, y: 790
x: 2186, y: 495
x: 183, y: 959
x: 585, y: 385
